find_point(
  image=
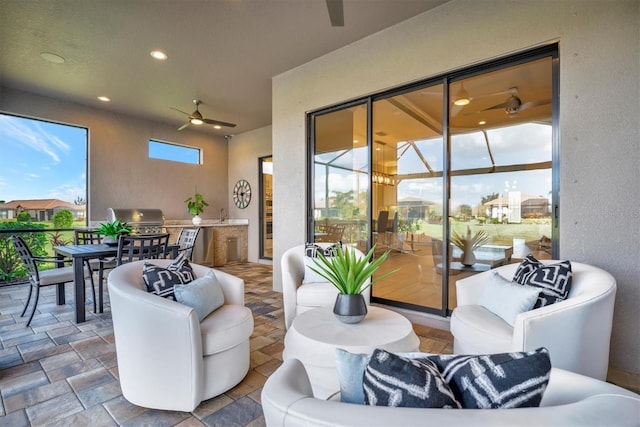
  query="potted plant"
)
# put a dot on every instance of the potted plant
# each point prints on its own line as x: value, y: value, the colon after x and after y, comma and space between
x: 195, y: 206
x: 112, y: 230
x: 468, y: 243
x: 350, y: 274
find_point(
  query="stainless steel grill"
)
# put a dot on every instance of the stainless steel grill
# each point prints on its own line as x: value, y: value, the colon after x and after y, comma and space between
x: 143, y: 221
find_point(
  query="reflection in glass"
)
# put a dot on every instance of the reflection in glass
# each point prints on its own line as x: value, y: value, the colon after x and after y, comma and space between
x: 340, y: 177
x: 408, y: 147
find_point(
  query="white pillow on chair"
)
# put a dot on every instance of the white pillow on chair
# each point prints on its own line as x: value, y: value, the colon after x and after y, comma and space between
x: 507, y: 299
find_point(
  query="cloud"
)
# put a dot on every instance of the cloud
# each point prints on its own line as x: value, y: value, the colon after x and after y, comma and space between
x: 29, y: 133
x: 67, y: 192
x: 33, y: 175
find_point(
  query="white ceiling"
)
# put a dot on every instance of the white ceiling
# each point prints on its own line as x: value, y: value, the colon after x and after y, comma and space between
x: 224, y: 52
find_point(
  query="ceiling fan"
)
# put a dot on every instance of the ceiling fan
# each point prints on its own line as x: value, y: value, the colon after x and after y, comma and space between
x: 196, y: 118
x: 514, y: 104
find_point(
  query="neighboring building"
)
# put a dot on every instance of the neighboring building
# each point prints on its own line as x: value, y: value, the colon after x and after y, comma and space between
x: 40, y: 209
x: 515, y: 206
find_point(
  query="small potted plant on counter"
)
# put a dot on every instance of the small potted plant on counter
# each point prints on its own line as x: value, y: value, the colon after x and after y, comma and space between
x: 350, y: 274
x: 112, y: 230
x: 196, y: 205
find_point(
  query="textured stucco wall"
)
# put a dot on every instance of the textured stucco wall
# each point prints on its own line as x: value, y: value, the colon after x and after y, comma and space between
x: 120, y: 172
x: 599, y: 110
x: 244, y: 151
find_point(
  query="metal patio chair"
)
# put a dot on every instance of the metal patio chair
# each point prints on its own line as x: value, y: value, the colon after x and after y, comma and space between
x: 39, y: 278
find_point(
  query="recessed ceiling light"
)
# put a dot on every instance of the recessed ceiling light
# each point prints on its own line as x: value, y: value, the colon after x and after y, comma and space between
x: 52, y: 57
x: 104, y: 98
x: 217, y: 127
x: 482, y: 122
x: 355, y: 141
x: 158, y: 54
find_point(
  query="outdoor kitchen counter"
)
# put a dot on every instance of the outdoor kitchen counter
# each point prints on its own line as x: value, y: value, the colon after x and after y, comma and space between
x: 218, y: 243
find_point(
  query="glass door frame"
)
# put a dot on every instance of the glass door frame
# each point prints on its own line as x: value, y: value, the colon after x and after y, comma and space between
x: 261, y: 210
x: 551, y: 50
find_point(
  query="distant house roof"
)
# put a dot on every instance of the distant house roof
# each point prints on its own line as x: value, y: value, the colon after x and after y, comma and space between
x: 524, y: 199
x: 42, y: 204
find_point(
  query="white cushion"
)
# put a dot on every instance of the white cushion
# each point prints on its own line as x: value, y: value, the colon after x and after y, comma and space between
x: 311, y: 276
x: 226, y: 327
x: 317, y: 295
x: 507, y: 299
x: 480, y: 330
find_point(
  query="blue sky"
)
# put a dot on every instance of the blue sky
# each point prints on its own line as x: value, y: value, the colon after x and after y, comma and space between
x: 41, y: 160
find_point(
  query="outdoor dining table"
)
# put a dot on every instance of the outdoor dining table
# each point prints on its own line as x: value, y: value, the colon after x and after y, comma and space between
x: 79, y: 254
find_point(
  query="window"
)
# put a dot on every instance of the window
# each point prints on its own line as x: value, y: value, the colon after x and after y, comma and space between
x: 400, y: 171
x: 43, y: 168
x: 174, y: 152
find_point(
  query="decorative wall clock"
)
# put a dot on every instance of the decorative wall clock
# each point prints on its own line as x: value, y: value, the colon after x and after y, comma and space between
x: 242, y: 194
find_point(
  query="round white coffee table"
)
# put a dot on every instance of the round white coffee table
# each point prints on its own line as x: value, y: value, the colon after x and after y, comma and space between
x: 315, y: 334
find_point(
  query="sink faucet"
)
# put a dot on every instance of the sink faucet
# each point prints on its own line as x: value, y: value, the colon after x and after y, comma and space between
x: 223, y: 215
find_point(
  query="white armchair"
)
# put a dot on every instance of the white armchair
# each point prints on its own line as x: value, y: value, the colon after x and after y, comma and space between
x: 576, y: 331
x: 167, y: 358
x: 299, y: 298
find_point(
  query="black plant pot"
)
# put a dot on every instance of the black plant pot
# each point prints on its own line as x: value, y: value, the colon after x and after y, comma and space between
x: 350, y: 308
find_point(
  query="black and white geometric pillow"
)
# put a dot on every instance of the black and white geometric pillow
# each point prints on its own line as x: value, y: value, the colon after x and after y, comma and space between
x: 391, y: 380
x: 505, y: 380
x: 160, y: 281
x: 554, y: 280
x: 311, y: 250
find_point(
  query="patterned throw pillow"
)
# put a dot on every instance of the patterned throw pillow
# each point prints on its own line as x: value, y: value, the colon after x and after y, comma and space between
x: 505, y: 380
x: 391, y: 380
x: 160, y: 281
x: 311, y: 250
x: 554, y: 280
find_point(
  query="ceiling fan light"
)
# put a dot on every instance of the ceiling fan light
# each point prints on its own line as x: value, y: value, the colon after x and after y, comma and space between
x: 158, y: 54
x: 462, y: 97
x: 195, y: 121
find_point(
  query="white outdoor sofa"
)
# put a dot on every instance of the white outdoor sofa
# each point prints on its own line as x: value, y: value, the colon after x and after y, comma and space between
x: 569, y: 400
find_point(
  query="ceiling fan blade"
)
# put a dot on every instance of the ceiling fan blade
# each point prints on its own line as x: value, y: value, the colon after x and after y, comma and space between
x: 535, y: 104
x: 184, y: 126
x: 336, y: 12
x: 180, y: 111
x: 219, y: 123
x: 500, y: 106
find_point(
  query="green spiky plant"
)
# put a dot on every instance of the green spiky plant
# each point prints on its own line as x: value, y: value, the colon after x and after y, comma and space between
x: 469, y: 241
x: 114, y: 229
x: 349, y: 273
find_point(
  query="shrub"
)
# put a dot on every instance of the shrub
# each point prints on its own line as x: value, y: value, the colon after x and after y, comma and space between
x: 11, y: 266
x: 23, y: 217
x: 63, y: 219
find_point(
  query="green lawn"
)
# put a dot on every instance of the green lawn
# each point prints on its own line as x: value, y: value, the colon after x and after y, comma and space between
x: 499, y: 234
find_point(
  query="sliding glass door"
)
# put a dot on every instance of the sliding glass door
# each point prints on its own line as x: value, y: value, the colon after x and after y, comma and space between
x: 453, y: 176
x: 340, y: 165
